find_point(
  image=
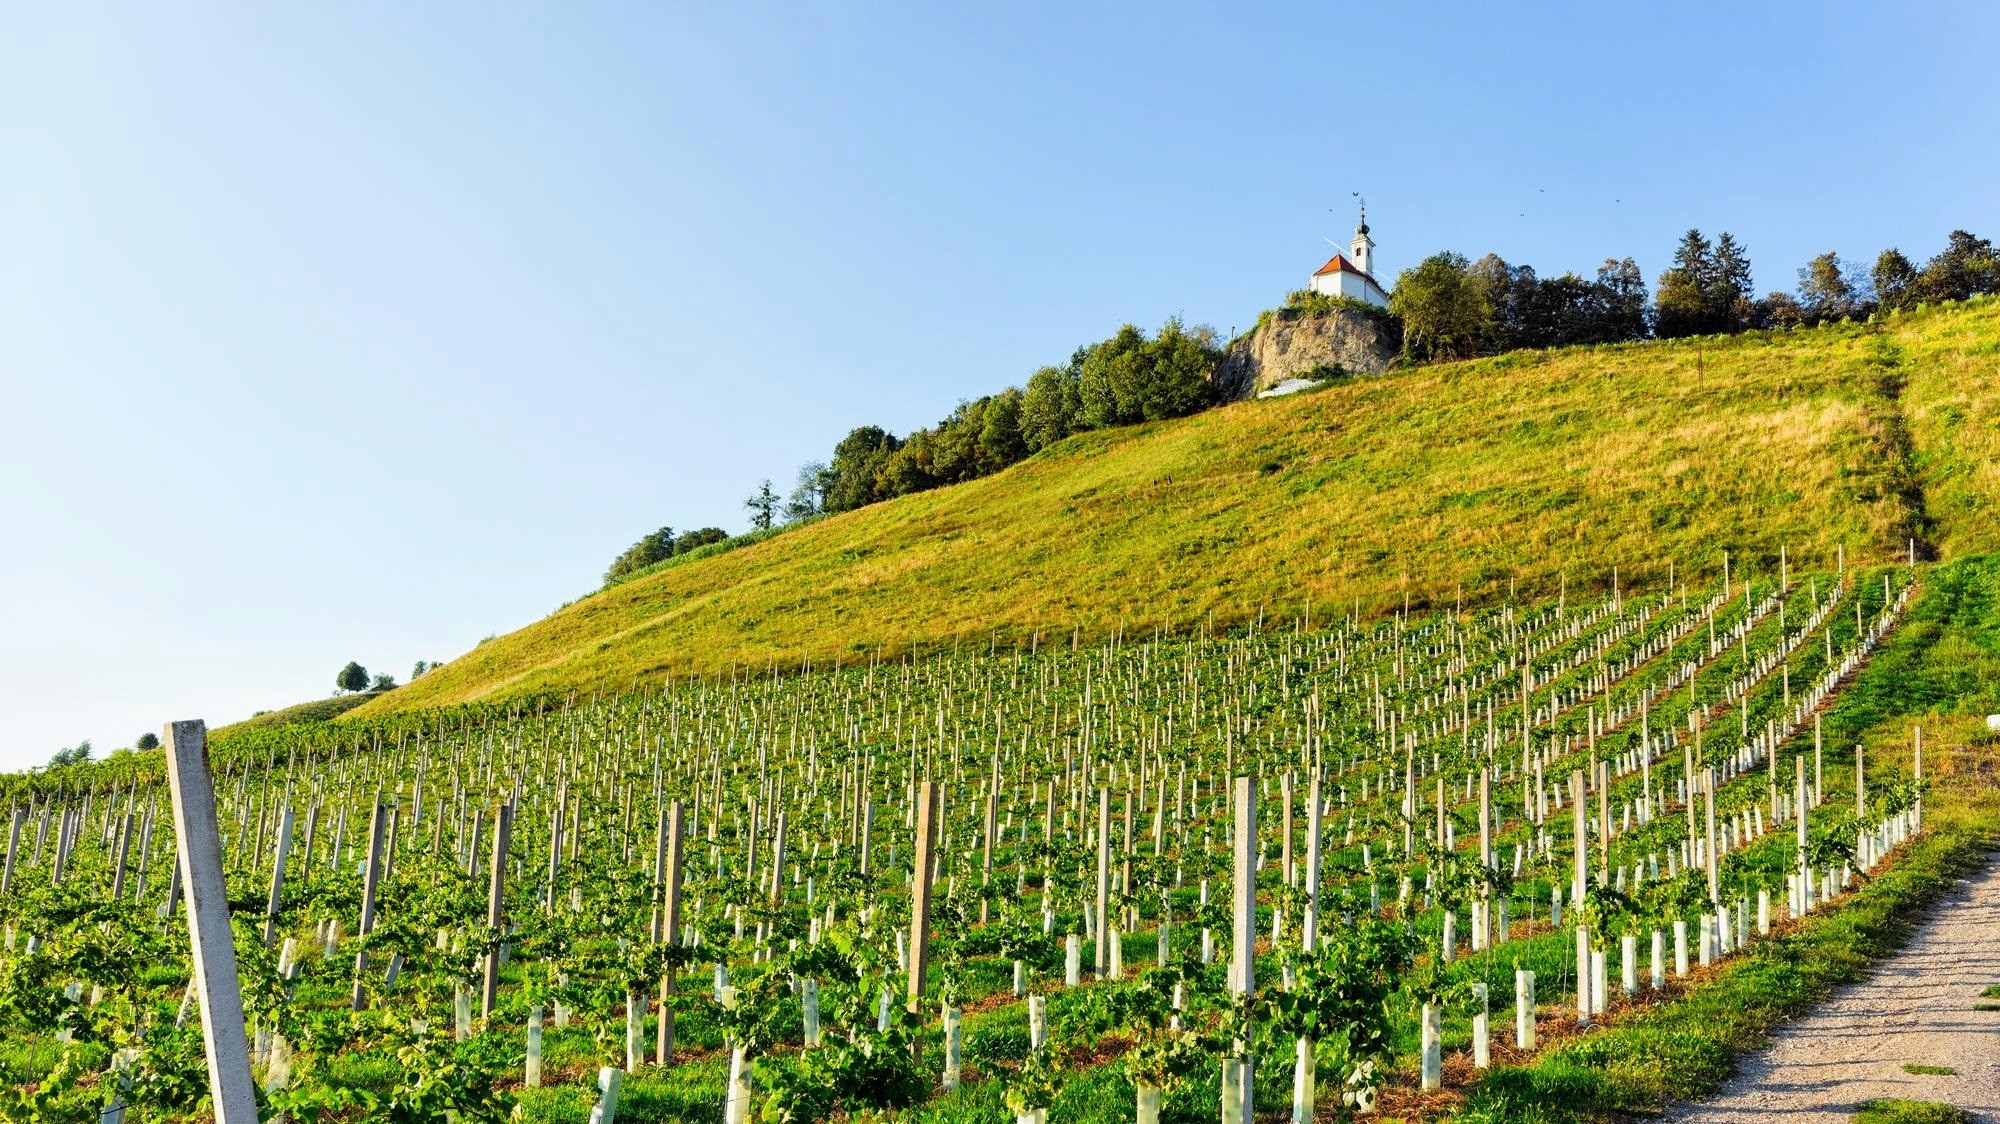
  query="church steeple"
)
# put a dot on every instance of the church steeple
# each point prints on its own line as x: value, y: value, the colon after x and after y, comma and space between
x: 1362, y: 248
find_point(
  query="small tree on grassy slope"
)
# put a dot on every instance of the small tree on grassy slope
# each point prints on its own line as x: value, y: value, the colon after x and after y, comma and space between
x: 353, y: 677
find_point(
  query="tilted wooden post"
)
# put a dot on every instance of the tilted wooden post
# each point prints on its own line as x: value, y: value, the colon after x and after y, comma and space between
x: 1579, y: 813
x: 992, y: 826
x: 1102, y: 965
x: 920, y: 890
x: 496, y: 915
x: 1860, y: 782
x: 670, y: 924
x: 189, y: 782
x: 1805, y: 865
x: 1714, y: 860
x: 867, y: 832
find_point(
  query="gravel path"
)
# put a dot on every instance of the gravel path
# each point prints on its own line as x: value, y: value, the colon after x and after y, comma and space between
x: 1917, y: 1009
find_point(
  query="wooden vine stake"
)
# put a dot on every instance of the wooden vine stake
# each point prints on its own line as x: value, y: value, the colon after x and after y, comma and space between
x: 670, y: 922
x: 920, y: 892
x: 503, y: 830
x: 213, y: 948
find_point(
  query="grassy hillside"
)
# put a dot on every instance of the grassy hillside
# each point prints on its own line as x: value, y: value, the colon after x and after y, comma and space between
x: 1528, y: 469
x: 317, y: 710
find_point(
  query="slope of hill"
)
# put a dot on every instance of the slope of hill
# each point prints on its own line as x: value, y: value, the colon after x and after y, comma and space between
x: 317, y: 710
x: 1422, y: 486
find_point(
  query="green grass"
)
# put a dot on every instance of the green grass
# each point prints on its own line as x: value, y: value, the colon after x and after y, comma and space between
x: 318, y: 710
x: 1992, y: 991
x: 1519, y: 473
x: 1891, y: 1111
x: 1929, y: 1070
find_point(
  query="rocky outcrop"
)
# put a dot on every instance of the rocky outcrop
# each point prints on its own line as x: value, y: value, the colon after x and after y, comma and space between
x: 1291, y: 344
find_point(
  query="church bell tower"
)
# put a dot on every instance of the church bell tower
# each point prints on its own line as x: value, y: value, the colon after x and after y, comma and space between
x: 1361, y: 250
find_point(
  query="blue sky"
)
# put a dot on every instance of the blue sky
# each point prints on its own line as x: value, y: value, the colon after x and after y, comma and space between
x: 363, y: 331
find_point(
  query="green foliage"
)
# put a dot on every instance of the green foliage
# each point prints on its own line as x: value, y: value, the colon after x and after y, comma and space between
x: 147, y: 740
x: 353, y: 677
x: 871, y: 1072
x: 1445, y: 312
x: 77, y: 754
x: 661, y: 545
x: 1707, y: 290
x: 1890, y: 1110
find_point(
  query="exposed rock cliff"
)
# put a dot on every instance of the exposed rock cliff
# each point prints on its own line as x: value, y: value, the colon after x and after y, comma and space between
x: 1293, y: 344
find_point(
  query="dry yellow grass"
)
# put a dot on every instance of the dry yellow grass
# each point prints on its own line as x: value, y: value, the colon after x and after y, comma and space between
x: 1526, y: 470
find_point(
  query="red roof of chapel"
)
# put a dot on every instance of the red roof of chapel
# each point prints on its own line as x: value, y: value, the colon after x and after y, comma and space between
x: 1338, y: 263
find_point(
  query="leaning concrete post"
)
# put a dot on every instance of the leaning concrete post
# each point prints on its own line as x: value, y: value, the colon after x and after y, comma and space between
x: 278, y: 879
x: 230, y: 1085
x: 370, y: 879
x: 13, y: 847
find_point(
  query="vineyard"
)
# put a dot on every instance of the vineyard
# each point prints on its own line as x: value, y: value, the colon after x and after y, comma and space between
x: 1441, y: 864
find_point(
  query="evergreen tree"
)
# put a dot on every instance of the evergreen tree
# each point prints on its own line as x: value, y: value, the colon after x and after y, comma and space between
x: 1729, y: 289
x: 1895, y: 279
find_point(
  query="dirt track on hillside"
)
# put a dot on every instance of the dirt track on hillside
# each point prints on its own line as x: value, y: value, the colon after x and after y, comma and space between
x: 1918, y: 1008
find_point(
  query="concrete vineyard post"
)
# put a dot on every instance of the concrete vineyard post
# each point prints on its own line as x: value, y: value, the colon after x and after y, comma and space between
x: 231, y: 1088
x: 371, y: 877
x: 19, y: 818
x: 609, y: 1081
x: 1524, y: 1009
x: 278, y: 878
x: 1243, y: 936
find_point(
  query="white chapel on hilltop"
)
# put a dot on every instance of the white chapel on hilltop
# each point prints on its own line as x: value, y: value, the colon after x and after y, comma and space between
x: 1352, y: 274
